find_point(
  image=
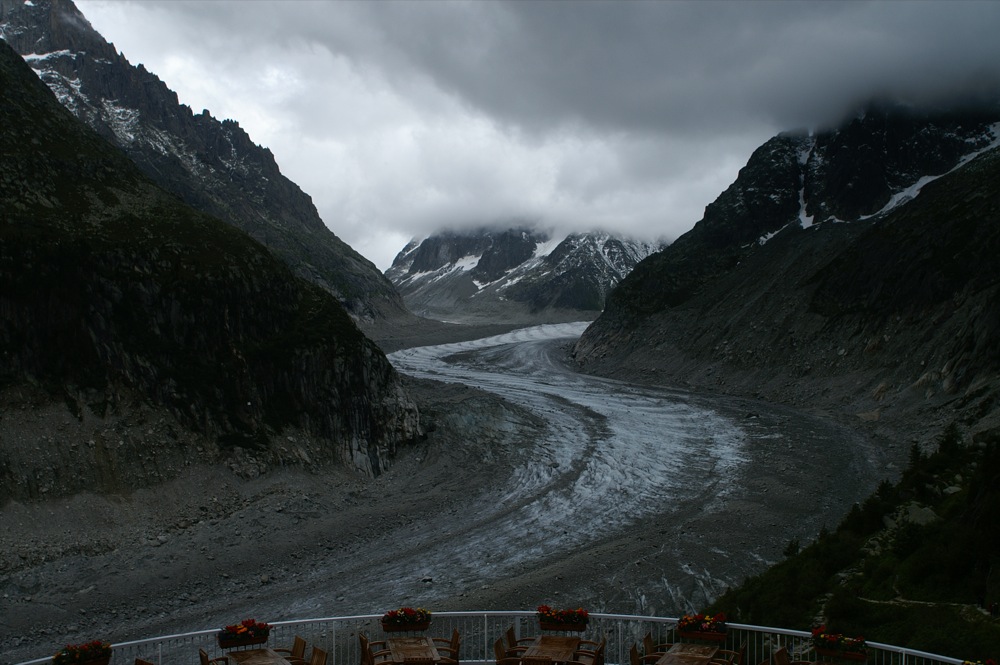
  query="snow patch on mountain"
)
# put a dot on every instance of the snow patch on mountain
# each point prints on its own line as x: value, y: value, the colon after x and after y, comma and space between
x: 545, y: 248
x: 913, y: 190
x: 811, y: 161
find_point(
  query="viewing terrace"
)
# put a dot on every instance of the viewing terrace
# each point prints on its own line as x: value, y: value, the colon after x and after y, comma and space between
x: 338, y: 637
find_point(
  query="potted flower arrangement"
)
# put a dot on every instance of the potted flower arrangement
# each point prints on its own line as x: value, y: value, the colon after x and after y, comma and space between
x: 838, y: 646
x: 552, y: 619
x: 88, y: 653
x: 248, y: 631
x: 702, y: 627
x: 406, y: 618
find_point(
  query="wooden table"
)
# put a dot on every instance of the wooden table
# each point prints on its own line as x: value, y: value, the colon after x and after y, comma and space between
x: 412, y: 650
x: 257, y: 657
x: 688, y: 654
x: 557, y: 648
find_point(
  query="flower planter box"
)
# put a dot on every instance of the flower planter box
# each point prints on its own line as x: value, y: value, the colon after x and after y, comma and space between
x: 833, y: 654
x: 401, y: 627
x: 579, y: 627
x: 700, y: 636
x: 232, y: 642
x: 103, y: 660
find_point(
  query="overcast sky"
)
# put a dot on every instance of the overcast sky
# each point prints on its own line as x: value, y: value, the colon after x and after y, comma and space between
x: 400, y: 118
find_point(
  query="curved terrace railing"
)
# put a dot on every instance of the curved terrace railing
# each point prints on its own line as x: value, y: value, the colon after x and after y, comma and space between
x: 339, y: 637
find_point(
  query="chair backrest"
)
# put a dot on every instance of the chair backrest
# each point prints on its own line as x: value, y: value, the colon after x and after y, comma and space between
x: 742, y: 657
x: 203, y: 656
x: 780, y: 656
x: 511, y: 637
x: 318, y: 657
x: 298, y: 647
x: 456, y: 640
x: 366, y: 652
x: 649, y: 645
x: 599, y: 651
x: 498, y: 650
x: 140, y: 661
x: 633, y: 655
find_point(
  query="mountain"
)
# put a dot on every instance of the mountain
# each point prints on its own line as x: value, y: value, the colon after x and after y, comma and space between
x: 150, y: 335
x: 852, y: 271
x: 211, y: 165
x: 855, y: 266
x: 517, y: 273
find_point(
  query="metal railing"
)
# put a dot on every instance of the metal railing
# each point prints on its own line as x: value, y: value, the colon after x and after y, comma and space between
x: 339, y: 637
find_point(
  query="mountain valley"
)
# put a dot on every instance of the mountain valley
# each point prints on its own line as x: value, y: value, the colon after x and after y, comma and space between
x: 195, y: 364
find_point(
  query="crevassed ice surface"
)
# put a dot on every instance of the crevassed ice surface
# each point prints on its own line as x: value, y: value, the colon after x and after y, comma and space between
x: 613, y: 451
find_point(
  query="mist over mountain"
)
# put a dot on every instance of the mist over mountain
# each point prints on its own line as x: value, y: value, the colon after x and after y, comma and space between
x: 513, y: 274
x: 211, y: 164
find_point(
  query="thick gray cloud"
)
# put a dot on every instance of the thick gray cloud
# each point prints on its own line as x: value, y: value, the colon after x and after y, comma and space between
x: 402, y: 117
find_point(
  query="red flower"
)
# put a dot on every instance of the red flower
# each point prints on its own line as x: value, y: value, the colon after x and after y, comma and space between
x: 550, y: 615
x: 247, y: 628
x: 406, y: 615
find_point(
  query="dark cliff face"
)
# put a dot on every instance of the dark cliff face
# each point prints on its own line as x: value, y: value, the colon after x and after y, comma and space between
x: 211, y: 165
x: 108, y: 284
x: 580, y: 272
x: 840, y: 174
x: 780, y: 293
x: 854, y: 170
x: 506, y: 250
x: 497, y: 250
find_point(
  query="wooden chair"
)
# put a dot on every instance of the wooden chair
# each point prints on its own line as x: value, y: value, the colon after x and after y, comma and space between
x: 593, y: 656
x: 205, y: 660
x: 317, y: 657
x: 725, y: 657
x: 500, y: 654
x: 592, y: 643
x: 780, y: 657
x: 634, y: 658
x: 516, y: 646
x: 650, y: 647
x: 448, y: 649
x: 368, y: 655
x: 297, y: 650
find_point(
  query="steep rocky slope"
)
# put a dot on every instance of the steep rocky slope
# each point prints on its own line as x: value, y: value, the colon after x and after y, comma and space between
x: 164, y: 335
x: 853, y: 269
x: 212, y: 165
x: 516, y: 274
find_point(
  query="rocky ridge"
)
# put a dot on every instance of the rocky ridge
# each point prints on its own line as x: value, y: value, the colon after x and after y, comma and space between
x: 210, y: 164
x: 163, y: 335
